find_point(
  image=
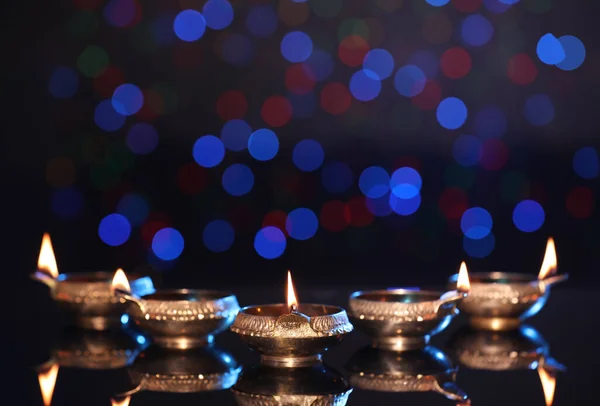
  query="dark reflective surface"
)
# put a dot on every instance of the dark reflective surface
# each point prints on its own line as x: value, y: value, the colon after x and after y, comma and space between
x: 565, y: 330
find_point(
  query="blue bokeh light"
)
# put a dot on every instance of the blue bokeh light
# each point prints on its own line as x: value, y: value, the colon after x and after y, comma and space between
x: 405, y: 182
x: 235, y: 135
x: 263, y: 144
x: 467, y: 150
x: 319, y: 65
x: 477, y: 30
x: 574, y: 52
x: 476, y: 223
x: 162, y: 30
x: 107, y: 118
x: 127, y: 99
x: 218, y: 14
x: 303, y: 105
x: 479, y: 248
x: 208, y: 151
x: 237, y: 49
x: 120, y: 13
x: 218, y: 236
x: 409, y: 80
x: 336, y: 177
x: 270, y: 242
x: 189, y: 25
x: 167, y: 244
x: 374, y: 182
x: 365, y: 85
x: 262, y: 21
x: 405, y: 207
x: 141, y: 340
x: 539, y: 110
x: 438, y: 3
x: 550, y: 50
x: 379, y: 207
x: 142, y: 138
x: 238, y: 180
x: 490, y: 122
x: 586, y: 163
x: 380, y: 62
x: 308, y: 155
x: 427, y: 61
x: 67, y: 203
x: 301, y: 224
x: 124, y: 319
x: 134, y: 207
x: 497, y: 6
x: 296, y: 46
x: 451, y: 113
x: 114, y: 230
x: 528, y: 216
x: 63, y: 83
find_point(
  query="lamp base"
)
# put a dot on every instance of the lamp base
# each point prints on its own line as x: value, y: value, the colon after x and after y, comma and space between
x: 287, y: 361
x: 183, y: 343
x: 399, y: 344
x: 495, y: 323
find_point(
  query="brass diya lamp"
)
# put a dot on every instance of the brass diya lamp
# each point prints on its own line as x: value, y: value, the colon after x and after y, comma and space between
x: 86, y: 297
x: 292, y: 334
x: 197, y: 370
x: 405, y: 319
x: 179, y: 318
x: 500, y: 301
x: 426, y: 370
x: 315, y: 385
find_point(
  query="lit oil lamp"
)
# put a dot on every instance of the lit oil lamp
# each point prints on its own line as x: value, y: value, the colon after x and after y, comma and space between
x: 85, y: 296
x: 500, y: 301
x: 47, y: 375
x: 292, y: 334
x: 403, y: 319
x: 180, y: 318
x: 548, y: 380
x: 427, y: 370
x: 124, y: 401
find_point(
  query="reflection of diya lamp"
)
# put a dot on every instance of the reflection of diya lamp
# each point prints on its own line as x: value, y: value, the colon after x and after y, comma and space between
x: 292, y: 334
x: 402, y: 319
x: 500, y: 301
x: 197, y: 370
x: 412, y: 371
x: 178, y: 319
x: 85, y: 296
x: 315, y: 385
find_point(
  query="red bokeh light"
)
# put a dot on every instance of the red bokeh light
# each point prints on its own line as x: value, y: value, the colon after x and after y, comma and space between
x: 333, y: 216
x: 430, y: 97
x: 521, y: 69
x: 466, y: 6
x: 276, y: 111
x: 453, y: 203
x: 456, y: 63
x: 356, y: 212
x: 352, y: 50
x: 299, y: 79
x: 494, y: 155
x: 232, y: 105
x: 153, y: 106
x: 107, y: 82
x: 335, y: 98
x: 192, y: 179
x: 276, y: 218
x: 580, y: 202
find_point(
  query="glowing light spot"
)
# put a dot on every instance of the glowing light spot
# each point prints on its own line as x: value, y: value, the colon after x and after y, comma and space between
x: 296, y: 46
x: 235, y: 135
x: 409, y: 80
x: 498, y: 6
x: 167, y: 244
x: 490, y: 122
x: 352, y: 50
x: 479, y: 248
x: 107, y: 118
x: 580, y: 202
x: 142, y: 138
x: 336, y: 177
x: 276, y: 111
x: 303, y: 105
x: 134, y: 207
x: 586, y: 163
x: 299, y: 80
x: 539, y: 110
x: 521, y: 69
x: 236, y: 49
x: 319, y: 65
x: 405, y: 183
x: 574, y: 53
x: 453, y: 203
x: 528, y: 216
x: 67, y: 203
x: 218, y: 236
x: 430, y: 97
x: 120, y: 13
x: 218, y: 14
x: 301, y: 224
x: 467, y: 150
x: 208, y: 151
x: 127, y: 99
x: 335, y: 98
x: 456, y: 63
x: 262, y: 21
x: 427, y: 61
x: 380, y: 62
x: 124, y: 319
x: 231, y: 104
x: 380, y: 207
x: 333, y: 216
x: 189, y: 25
x: 374, y: 182
x: 114, y: 230
x: 93, y: 61
x: 63, y: 83
x: 270, y: 242
x: 466, y: 6
x: 238, y: 180
x: 308, y: 155
x: 263, y: 144
x: 476, y: 223
x: 405, y: 207
x: 451, y: 113
x: 494, y: 154
x: 476, y: 30
x: 438, y: 3
x: 550, y: 50
x: 365, y: 85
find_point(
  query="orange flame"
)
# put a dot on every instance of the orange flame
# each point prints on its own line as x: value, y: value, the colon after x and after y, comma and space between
x: 549, y: 263
x: 47, y: 381
x: 121, y: 402
x: 120, y: 281
x: 548, y: 385
x: 46, y: 260
x: 462, y: 283
x: 292, y: 301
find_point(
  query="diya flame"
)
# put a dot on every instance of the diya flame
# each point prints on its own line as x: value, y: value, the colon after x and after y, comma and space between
x: 549, y: 264
x: 121, y: 402
x: 47, y: 381
x: 292, y: 301
x: 548, y: 385
x: 120, y: 282
x: 47, y: 260
x: 462, y: 282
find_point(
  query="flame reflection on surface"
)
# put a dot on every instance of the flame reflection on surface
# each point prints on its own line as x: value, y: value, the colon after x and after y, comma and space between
x: 462, y: 282
x: 292, y: 300
x: 121, y: 402
x: 549, y: 263
x: 120, y: 281
x: 47, y: 381
x: 47, y: 260
x: 548, y: 385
